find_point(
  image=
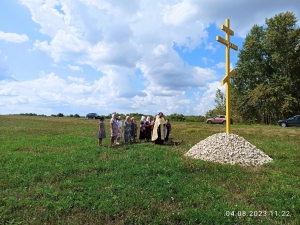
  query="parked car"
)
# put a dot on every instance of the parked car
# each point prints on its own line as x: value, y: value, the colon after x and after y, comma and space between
x: 92, y: 116
x: 220, y: 119
x: 293, y: 121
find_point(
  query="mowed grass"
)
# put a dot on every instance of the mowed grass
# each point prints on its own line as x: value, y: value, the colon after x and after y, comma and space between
x: 53, y: 172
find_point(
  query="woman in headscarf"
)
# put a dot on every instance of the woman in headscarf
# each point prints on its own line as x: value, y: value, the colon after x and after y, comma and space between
x: 142, y: 129
x: 133, y: 129
x: 120, y: 131
x: 113, y: 129
x: 127, y: 129
x: 148, y: 129
x: 158, y: 130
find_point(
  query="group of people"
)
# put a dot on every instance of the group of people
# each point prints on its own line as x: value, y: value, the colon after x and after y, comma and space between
x: 157, y: 130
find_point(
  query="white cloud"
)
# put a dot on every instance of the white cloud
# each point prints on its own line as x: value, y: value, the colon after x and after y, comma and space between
x: 8, y: 92
x: 207, y: 98
x: 208, y: 12
x: 121, y: 30
x: 105, y: 93
x: 210, y: 46
x: 13, y: 37
x: 5, y: 73
x: 76, y: 79
x: 13, y: 101
x: 51, y: 94
x: 49, y: 18
x: 166, y: 74
x: 220, y: 65
x: 64, y: 46
x: 75, y: 68
x: 179, y: 13
x: 117, y: 85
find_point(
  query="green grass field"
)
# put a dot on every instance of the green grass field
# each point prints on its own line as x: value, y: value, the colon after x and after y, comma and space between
x: 53, y: 172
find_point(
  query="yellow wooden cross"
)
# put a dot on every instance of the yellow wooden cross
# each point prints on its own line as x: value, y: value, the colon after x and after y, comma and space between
x: 226, y: 79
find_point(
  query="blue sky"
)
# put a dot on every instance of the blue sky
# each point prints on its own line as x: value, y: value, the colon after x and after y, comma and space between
x: 104, y: 56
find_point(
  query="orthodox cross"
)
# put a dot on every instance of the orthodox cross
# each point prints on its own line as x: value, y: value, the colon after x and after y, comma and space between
x: 226, y: 79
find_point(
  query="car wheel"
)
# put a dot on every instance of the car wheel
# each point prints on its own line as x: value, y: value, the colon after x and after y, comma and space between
x: 209, y: 122
x: 224, y: 122
x: 283, y: 124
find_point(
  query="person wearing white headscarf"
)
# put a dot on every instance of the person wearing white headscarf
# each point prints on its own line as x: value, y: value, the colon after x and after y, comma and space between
x: 148, y: 126
x: 127, y: 130
x: 142, y: 129
x: 113, y: 129
x: 159, y: 129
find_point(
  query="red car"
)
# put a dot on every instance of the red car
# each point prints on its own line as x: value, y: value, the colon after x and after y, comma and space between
x: 220, y: 119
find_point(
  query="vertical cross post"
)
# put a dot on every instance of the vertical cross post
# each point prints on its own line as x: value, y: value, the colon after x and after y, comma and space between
x: 229, y: 72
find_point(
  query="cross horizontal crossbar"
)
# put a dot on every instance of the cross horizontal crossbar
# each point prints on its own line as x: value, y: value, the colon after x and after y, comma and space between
x: 227, y: 43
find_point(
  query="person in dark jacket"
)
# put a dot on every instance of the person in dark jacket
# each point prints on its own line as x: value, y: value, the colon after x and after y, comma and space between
x: 167, y: 130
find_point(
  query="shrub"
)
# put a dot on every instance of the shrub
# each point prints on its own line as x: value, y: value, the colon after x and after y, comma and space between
x: 28, y: 114
x: 195, y: 119
x: 176, y: 117
x: 76, y: 115
x: 60, y: 115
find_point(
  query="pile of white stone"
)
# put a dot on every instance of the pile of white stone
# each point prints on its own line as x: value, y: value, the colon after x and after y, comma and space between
x: 228, y: 149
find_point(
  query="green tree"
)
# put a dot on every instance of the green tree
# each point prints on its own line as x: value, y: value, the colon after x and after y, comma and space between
x: 265, y: 85
x: 60, y: 115
x: 220, y: 101
x: 220, y: 106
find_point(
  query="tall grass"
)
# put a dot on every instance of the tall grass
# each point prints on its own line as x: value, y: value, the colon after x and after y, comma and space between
x: 53, y: 172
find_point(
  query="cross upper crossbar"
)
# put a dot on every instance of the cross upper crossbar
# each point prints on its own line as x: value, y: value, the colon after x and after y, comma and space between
x: 227, y: 30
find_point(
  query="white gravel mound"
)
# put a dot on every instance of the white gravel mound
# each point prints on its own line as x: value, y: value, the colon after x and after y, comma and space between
x: 228, y: 149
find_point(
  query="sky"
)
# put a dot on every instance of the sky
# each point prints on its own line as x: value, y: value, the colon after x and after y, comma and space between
x: 133, y: 56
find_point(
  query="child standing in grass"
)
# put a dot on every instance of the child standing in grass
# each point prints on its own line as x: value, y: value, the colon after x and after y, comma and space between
x: 101, y: 131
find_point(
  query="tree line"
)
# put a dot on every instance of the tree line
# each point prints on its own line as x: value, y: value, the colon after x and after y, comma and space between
x: 172, y: 117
